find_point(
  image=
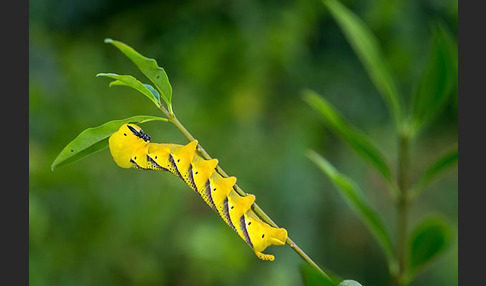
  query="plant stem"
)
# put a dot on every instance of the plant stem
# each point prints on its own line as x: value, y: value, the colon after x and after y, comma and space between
x: 402, y: 209
x: 172, y: 119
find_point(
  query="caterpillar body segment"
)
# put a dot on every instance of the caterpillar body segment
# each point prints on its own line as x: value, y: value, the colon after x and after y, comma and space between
x: 180, y: 158
x: 220, y: 188
x: 139, y: 158
x: 237, y: 207
x: 130, y: 148
x: 199, y: 173
x: 263, y: 235
x: 158, y: 153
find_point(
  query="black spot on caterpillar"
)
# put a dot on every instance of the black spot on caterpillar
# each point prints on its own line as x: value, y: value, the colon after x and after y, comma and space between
x: 130, y: 148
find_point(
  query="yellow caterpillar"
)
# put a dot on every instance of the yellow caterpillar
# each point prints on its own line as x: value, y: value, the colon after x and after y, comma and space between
x: 131, y: 148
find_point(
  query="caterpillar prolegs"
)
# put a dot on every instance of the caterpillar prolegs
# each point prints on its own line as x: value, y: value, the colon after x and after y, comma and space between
x: 131, y: 148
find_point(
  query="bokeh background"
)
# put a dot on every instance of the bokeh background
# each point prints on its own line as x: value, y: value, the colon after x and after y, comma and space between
x: 237, y: 69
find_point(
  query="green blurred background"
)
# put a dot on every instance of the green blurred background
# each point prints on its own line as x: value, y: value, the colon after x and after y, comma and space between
x: 237, y: 69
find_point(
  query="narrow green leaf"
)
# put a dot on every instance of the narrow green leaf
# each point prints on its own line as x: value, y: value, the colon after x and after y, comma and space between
x: 67, y: 156
x: 312, y: 277
x: 95, y: 139
x: 130, y: 81
x: 438, y: 79
x: 446, y: 161
x: 429, y: 238
x: 366, y: 47
x: 352, y: 136
x: 356, y: 200
x: 149, y: 68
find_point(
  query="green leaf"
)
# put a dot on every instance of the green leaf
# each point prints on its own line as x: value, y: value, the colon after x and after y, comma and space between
x: 352, y: 136
x: 349, y: 283
x: 366, y: 47
x: 95, y: 139
x: 446, y: 161
x: 312, y: 277
x: 429, y: 238
x: 438, y: 79
x: 355, y: 199
x: 130, y: 81
x: 149, y: 68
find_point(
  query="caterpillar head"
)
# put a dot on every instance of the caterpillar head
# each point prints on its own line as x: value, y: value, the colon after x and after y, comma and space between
x: 158, y: 156
x: 125, y: 142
